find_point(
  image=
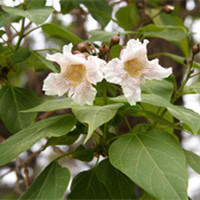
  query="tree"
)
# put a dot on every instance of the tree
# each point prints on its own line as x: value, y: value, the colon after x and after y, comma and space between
x: 119, y: 105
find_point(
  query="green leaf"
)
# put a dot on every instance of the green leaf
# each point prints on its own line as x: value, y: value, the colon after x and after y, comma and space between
x: 47, y: 63
x: 162, y: 88
x: 127, y: 16
x: 68, y: 139
x: 95, y: 116
x: 6, y: 18
x: 98, y: 10
x: 86, y: 186
x: 68, y: 5
x: 50, y: 184
x: 12, y: 101
x: 193, y: 160
x: 187, y: 116
x: 83, y: 154
x: 56, y: 30
x: 169, y: 33
x: 20, y: 55
x: 25, y: 139
x: 103, y: 36
x: 194, y: 88
x: 35, y: 4
x: 179, y: 59
x: 51, y: 105
x: 37, y: 16
x: 154, y: 161
x: 118, y: 185
x: 115, y: 51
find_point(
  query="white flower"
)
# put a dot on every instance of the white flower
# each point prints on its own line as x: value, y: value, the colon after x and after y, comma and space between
x: 76, y: 77
x: 132, y: 67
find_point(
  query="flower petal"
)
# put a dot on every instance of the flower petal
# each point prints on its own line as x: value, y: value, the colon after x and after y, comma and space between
x: 55, y: 84
x: 114, y: 72
x: 155, y: 71
x: 94, y: 67
x: 131, y: 90
x: 134, y: 49
x: 67, y: 49
x: 83, y: 93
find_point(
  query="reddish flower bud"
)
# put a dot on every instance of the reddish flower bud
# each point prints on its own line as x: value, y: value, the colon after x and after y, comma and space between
x: 82, y: 46
x: 115, y: 40
x: 104, y: 49
x: 168, y: 9
x: 196, y: 49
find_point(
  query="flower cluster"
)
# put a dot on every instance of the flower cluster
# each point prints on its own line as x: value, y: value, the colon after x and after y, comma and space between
x: 78, y: 73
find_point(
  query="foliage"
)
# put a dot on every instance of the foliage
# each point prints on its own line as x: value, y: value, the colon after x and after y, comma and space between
x: 146, y: 159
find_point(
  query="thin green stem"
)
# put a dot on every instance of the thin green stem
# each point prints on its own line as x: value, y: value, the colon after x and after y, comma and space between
x: 179, y: 93
x: 127, y: 123
x: 33, y: 29
x: 21, y: 34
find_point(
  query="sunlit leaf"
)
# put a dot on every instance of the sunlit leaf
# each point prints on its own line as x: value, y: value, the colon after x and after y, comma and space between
x: 154, y: 161
x: 95, y: 116
x: 25, y: 139
x: 50, y: 184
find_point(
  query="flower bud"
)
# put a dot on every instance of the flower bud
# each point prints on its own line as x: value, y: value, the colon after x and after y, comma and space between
x: 115, y: 40
x: 82, y: 46
x: 104, y: 49
x: 168, y: 9
x: 196, y: 49
x: 140, y: 5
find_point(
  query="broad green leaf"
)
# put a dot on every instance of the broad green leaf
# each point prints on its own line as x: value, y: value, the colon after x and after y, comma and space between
x: 68, y: 5
x: 162, y: 88
x: 169, y: 33
x: 118, y: 185
x: 20, y: 55
x: 12, y: 101
x: 179, y: 59
x: 127, y: 16
x: 56, y: 30
x: 98, y: 10
x: 87, y: 186
x: 47, y: 63
x: 51, y: 105
x: 37, y: 16
x: 25, y: 139
x: 193, y: 160
x: 187, y: 116
x: 83, y: 154
x: 194, y: 88
x: 5, y: 19
x: 103, y: 36
x: 50, y: 184
x: 68, y: 139
x: 154, y: 161
x: 95, y: 116
x: 115, y: 51
x: 31, y: 4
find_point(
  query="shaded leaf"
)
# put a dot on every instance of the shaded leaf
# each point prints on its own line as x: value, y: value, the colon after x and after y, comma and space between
x: 154, y: 161
x: 86, y: 186
x: 95, y: 116
x: 20, y: 55
x: 47, y: 63
x: 127, y: 16
x: 12, y: 101
x: 68, y: 139
x: 83, y: 154
x: 25, y: 139
x: 118, y: 185
x: 50, y: 184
